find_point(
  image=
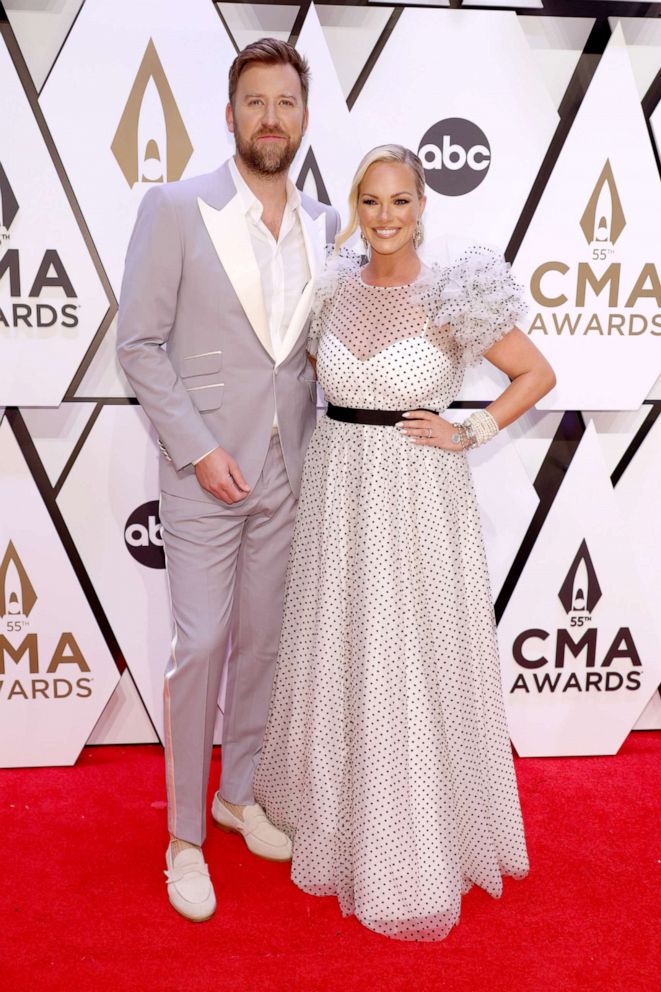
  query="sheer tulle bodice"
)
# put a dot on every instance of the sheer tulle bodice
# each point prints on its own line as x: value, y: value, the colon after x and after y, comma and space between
x: 428, y: 330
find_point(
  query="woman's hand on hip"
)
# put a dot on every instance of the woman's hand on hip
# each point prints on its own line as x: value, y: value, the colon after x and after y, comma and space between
x: 423, y: 427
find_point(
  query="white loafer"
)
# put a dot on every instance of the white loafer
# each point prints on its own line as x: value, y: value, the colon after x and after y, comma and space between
x: 190, y: 889
x: 261, y: 837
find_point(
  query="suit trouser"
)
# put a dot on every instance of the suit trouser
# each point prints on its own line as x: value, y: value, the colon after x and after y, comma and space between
x: 226, y: 568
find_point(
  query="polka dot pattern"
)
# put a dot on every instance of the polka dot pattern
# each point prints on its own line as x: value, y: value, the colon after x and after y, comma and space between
x: 387, y: 757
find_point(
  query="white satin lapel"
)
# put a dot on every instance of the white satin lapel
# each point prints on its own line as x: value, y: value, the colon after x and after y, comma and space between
x: 314, y: 238
x: 231, y: 240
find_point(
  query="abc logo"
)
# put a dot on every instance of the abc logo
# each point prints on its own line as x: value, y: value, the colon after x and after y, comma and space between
x: 143, y: 536
x: 456, y: 156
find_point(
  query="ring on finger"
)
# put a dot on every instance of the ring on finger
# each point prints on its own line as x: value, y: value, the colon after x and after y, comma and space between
x: 429, y: 432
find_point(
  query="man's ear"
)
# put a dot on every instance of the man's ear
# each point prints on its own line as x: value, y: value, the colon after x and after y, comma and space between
x: 229, y: 117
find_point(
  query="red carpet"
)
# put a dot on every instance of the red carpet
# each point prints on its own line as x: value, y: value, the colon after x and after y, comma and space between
x: 85, y: 907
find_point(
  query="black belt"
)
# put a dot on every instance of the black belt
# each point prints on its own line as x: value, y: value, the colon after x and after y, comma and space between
x: 378, y: 418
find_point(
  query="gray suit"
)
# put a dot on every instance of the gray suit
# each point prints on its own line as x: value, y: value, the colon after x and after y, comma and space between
x: 194, y: 341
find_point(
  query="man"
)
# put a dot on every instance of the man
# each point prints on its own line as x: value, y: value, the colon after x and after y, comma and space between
x: 212, y: 333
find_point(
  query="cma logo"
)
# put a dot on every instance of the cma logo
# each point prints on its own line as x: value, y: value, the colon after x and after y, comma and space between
x: 8, y: 205
x: 143, y: 536
x: 536, y: 648
x: 580, y: 592
x: 456, y: 156
x: 50, y: 276
x: 17, y: 595
x: 556, y: 284
x: 17, y: 600
x: 151, y: 144
x: 603, y: 218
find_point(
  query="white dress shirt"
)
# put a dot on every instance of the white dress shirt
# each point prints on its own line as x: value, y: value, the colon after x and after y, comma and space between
x: 283, y: 263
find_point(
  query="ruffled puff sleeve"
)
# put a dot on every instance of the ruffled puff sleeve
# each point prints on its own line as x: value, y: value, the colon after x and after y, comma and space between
x: 479, y: 298
x: 338, y: 266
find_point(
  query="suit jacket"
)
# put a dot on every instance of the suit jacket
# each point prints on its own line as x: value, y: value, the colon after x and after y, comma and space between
x: 193, y: 334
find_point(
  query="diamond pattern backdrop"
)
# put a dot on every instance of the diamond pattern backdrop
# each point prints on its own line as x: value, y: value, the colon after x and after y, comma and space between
x: 540, y: 131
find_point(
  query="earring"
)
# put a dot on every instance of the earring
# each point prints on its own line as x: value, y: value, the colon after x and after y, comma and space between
x: 418, y: 234
x: 367, y: 248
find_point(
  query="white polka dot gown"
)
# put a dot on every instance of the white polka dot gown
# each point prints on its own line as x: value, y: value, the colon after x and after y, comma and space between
x: 386, y: 757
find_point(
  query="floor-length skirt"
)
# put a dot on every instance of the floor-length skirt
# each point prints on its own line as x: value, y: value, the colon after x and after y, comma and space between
x: 387, y: 757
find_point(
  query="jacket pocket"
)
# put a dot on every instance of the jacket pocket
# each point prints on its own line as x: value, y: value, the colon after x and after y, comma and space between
x: 206, y: 363
x: 206, y: 397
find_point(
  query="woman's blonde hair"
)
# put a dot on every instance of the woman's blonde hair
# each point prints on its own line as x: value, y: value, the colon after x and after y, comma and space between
x: 382, y: 153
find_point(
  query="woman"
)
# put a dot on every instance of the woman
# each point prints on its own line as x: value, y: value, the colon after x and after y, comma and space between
x: 386, y: 757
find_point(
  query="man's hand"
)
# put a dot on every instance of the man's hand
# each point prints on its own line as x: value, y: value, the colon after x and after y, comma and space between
x: 220, y: 475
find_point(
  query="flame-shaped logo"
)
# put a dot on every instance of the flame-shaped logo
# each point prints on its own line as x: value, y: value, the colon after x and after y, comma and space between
x: 151, y: 143
x: 580, y: 592
x: 603, y: 219
x: 17, y: 596
x: 8, y: 205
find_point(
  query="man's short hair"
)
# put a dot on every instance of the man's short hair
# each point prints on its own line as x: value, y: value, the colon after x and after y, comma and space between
x: 269, y: 51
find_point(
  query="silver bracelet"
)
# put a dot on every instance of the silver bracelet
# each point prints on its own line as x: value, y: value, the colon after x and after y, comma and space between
x: 476, y: 430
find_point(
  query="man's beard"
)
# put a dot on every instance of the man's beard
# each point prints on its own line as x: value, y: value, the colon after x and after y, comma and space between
x: 266, y: 158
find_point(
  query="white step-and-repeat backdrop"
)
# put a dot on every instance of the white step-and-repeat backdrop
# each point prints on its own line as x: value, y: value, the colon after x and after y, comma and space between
x: 538, y: 134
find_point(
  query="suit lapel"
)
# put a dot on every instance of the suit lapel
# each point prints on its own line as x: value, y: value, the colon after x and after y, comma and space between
x: 314, y: 237
x: 231, y: 240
